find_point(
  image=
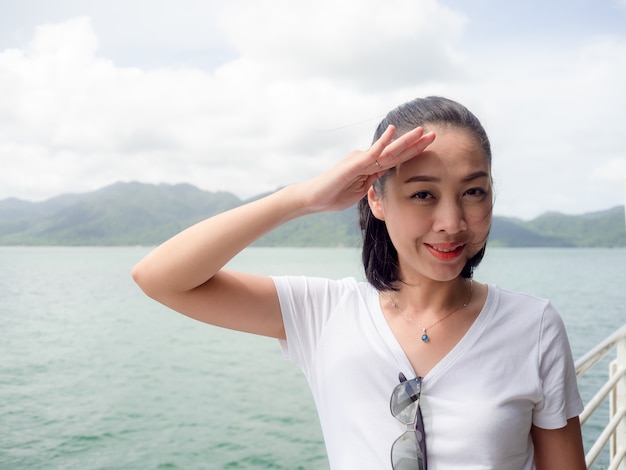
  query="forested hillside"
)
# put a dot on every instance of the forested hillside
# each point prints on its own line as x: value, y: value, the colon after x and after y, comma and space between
x: 144, y: 214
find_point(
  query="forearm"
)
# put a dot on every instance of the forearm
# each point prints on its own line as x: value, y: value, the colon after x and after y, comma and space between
x: 192, y: 257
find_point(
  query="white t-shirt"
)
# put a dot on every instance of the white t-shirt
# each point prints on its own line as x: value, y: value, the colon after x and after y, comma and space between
x: 513, y: 368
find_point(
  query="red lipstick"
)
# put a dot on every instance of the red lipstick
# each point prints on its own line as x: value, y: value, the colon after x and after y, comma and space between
x: 445, y: 251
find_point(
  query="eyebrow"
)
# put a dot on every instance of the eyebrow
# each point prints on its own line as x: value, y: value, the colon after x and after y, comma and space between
x: 476, y: 175
x: 434, y: 179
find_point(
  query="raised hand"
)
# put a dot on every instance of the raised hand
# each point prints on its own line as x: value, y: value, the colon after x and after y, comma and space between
x: 348, y: 181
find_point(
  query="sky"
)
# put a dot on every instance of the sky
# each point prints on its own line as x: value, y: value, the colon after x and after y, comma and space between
x: 247, y: 96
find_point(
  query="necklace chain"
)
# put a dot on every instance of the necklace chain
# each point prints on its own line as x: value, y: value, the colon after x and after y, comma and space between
x: 425, y: 338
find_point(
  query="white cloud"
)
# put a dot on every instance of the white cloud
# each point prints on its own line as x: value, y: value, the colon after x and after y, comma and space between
x: 373, y: 44
x: 306, y: 83
x: 193, y: 124
x: 611, y: 170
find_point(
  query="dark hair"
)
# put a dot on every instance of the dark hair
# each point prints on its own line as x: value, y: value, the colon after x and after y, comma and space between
x: 380, y: 258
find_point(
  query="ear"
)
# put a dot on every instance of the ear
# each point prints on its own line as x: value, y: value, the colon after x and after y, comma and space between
x: 376, y: 204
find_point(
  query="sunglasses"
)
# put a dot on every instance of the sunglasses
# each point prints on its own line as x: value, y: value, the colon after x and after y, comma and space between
x: 408, y: 452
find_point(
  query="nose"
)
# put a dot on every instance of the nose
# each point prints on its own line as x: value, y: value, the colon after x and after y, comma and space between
x: 449, y: 217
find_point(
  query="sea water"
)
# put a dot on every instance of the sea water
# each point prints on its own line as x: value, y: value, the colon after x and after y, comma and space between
x: 94, y: 375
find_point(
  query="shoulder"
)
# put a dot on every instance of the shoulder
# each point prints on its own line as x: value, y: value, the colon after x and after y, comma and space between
x: 528, y: 316
x: 344, y: 284
x: 506, y: 297
x: 523, y: 312
x: 511, y: 304
x: 321, y: 288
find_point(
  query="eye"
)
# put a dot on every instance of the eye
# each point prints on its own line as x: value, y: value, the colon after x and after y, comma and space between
x: 476, y: 193
x: 422, y: 196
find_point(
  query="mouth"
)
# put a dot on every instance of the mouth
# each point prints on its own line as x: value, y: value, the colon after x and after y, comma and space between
x: 445, y: 251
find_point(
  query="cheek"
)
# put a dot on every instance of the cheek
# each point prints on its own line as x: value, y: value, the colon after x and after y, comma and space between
x: 480, y: 227
x: 480, y: 222
x: 479, y: 216
x: 406, y: 226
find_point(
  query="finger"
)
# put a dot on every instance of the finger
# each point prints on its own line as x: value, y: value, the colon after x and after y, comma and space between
x: 415, y: 148
x: 383, y: 141
x: 411, y: 139
x: 406, y: 147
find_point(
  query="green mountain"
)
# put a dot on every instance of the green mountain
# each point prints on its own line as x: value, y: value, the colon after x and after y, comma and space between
x: 121, y: 214
x: 605, y: 228
x: 144, y: 214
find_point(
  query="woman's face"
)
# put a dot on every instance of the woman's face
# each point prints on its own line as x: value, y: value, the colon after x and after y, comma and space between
x: 437, y: 206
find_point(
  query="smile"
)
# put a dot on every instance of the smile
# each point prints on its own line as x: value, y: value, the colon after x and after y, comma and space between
x: 445, y: 252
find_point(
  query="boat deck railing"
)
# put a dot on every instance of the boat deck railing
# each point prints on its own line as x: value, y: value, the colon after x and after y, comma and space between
x: 615, y: 390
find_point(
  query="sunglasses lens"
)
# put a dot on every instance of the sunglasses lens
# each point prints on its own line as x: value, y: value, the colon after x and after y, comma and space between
x: 406, y: 454
x: 404, y: 400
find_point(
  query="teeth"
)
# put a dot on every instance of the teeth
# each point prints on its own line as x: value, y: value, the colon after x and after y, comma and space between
x: 444, y: 250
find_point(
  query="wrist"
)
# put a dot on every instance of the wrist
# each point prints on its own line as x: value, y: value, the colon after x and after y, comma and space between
x: 296, y: 200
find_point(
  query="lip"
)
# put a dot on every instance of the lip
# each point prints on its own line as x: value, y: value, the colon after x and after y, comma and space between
x: 445, y: 251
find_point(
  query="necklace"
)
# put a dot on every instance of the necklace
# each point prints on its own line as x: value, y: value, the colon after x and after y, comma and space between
x: 425, y: 338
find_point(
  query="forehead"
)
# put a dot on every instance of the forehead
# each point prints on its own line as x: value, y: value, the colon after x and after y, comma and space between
x: 454, y: 151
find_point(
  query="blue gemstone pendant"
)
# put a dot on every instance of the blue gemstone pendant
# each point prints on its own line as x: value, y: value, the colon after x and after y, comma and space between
x: 425, y: 338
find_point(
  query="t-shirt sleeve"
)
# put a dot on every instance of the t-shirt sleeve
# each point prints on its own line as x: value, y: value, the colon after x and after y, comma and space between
x: 306, y: 304
x: 561, y: 398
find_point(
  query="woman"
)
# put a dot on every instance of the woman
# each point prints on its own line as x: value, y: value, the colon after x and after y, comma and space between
x: 491, y: 379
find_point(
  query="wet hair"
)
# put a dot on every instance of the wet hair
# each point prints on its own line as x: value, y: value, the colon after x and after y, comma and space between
x: 380, y: 258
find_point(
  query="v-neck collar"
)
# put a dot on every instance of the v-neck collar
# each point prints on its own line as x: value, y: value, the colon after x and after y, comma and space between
x: 469, y: 338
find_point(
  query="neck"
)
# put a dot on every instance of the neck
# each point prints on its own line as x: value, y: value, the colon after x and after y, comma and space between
x: 435, y: 298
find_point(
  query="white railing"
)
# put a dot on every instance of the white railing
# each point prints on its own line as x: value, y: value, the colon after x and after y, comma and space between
x: 615, y: 389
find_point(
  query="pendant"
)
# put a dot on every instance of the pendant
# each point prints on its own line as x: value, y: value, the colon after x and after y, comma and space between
x: 424, y: 337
